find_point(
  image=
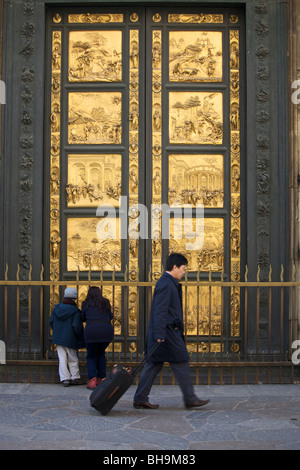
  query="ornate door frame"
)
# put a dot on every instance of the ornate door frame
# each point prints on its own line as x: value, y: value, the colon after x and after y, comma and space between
x: 186, y: 133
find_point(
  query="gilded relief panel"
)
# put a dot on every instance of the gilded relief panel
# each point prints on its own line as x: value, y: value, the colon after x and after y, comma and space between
x: 55, y: 129
x: 133, y: 242
x: 156, y: 145
x: 196, y: 179
x: 94, y: 180
x: 96, y: 18
x: 95, y: 56
x: 235, y: 142
x: 206, y: 257
x: 85, y: 250
x: 196, y: 117
x: 194, y: 18
x: 202, y: 310
x: 95, y: 118
x: 195, y: 56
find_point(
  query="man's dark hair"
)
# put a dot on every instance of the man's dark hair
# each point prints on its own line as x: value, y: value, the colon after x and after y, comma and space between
x: 175, y: 259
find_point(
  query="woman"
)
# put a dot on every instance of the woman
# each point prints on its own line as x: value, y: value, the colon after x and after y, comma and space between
x: 98, y: 333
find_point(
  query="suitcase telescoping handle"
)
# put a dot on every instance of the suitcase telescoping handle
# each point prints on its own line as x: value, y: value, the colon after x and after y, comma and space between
x: 135, y: 371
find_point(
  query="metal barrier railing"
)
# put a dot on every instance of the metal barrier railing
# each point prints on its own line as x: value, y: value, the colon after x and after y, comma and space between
x: 246, y: 338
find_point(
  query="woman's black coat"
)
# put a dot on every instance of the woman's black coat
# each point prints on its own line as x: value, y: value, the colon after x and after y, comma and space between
x: 98, y: 324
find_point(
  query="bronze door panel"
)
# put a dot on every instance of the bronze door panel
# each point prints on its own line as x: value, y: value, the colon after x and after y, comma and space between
x: 145, y: 112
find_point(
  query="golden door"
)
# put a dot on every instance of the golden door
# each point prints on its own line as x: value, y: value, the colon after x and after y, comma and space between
x: 144, y: 139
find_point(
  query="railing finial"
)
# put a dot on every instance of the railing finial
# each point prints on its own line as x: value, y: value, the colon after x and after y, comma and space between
x: 258, y: 272
x: 294, y: 273
x: 270, y: 274
x: 281, y: 274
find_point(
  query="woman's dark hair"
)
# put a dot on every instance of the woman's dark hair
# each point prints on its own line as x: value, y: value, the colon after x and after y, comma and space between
x: 175, y: 259
x: 95, y: 298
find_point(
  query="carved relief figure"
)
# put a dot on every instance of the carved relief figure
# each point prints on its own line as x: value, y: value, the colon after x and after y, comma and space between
x: 234, y: 55
x: 54, y: 180
x: 234, y: 117
x: 134, y: 120
x: 134, y: 55
x: 156, y: 120
x: 56, y: 56
x: 157, y: 183
x: 55, y: 118
x: 54, y: 242
x: 235, y: 179
x: 156, y: 54
x: 134, y: 182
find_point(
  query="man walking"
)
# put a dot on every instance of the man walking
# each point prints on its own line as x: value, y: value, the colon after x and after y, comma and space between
x: 166, y: 327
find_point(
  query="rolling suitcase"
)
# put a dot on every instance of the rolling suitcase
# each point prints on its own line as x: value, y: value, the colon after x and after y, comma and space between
x: 118, y: 381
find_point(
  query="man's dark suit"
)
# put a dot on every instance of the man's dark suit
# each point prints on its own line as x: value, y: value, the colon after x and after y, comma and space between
x: 166, y: 323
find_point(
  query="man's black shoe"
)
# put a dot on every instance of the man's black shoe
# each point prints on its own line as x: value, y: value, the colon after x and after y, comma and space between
x: 197, y: 403
x: 146, y: 405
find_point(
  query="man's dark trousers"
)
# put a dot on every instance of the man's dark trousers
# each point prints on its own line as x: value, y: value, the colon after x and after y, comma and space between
x: 182, y: 374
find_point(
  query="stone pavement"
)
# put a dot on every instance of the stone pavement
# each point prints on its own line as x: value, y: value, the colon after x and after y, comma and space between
x: 239, y: 417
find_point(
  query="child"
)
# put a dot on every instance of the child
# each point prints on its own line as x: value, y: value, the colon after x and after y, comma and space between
x: 68, y: 336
